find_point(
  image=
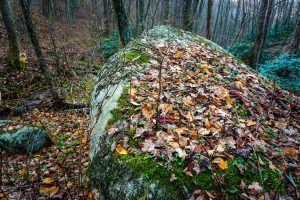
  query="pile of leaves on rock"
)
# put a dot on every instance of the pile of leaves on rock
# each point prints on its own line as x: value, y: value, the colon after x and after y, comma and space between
x: 211, y: 124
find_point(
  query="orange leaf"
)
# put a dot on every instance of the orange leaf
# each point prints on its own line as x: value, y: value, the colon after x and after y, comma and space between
x: 207, y: 123
x: 178, y: 55
x: 121, y: 150
x: 291, y: 151
x: 48, y: 190
x: 229, y: 101
x: 223, y: 164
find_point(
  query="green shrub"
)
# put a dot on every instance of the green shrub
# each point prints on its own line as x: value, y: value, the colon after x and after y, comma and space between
x: 110, y: 46
x: 242, y: 50
x: 285, y: 71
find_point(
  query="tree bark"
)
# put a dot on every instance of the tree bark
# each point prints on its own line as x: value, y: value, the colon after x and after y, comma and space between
x: 294, y: 46
x: 267, y: 21
x: 187, y: 16
x: 13, y: 38
x: 141, y: 14
x: 166, y: 8
x: 37, y: 49
x: 208, y: 21
x: 258, y: 44
x: 122, y: 21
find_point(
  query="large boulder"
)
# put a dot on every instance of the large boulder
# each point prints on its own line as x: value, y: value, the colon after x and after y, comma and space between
x: 210, y: 106
x: 24, y: 140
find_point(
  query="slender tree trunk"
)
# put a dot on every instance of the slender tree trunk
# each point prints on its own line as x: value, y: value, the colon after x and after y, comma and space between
x: 122, y: 21
x: 37, y: 49
x: 13, y: 38
x: 294, y: 46
x: 267, y: 21
x: 106, y: 17
x: 187, y: 16
x: 141, y: 14
x: 258, y: 44
x: 166, y: 8
x: 208, y: 21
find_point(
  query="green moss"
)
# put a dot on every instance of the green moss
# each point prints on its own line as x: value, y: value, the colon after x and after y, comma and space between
x: 137, y: 57
x: 158, y: 170
x: 242, y: 112
x: 145, y: 85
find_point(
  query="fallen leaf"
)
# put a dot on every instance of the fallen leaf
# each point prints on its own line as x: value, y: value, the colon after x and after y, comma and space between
x: 48, y: 180
x: 229, y: 101
x: 291, y: 151
x: 223, y: 164
x: 207, y: 123
x: 250, y: 123
x: 178, y: 55
x: 255, y: 187
x: 120, y: 150
x: 173, y: 178
x: 48, y: 190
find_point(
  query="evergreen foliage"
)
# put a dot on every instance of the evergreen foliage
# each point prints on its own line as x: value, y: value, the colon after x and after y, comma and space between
x: 285, y: 71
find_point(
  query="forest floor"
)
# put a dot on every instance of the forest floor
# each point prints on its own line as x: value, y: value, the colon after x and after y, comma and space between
x: 56, y: 172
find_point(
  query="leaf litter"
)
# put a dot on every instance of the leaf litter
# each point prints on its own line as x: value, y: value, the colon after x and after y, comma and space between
x: 54, y: 172
x: 213, y: 106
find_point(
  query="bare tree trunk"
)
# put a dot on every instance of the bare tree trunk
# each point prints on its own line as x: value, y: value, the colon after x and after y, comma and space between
x: 267, y: 21
x: 141, y: 14
x: 122, y: 21
x: 13, y: 38
x: 187, y: 16
x: 258, y: 44
x: 294, y: 46
x: 106, y: 17
x: 37, y: 49
x: 208, y: 21
x: 166, y: 8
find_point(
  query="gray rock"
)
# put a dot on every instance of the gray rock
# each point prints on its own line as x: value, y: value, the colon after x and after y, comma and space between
x: 24, y: 140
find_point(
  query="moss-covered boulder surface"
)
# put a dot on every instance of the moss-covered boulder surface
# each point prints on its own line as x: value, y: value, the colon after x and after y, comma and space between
x: 174, y: 116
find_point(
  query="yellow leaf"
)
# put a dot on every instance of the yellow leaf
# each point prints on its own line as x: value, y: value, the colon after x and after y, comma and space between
x: 132, y: 92
x: 205, y: 68
x: 48, y: 180
x: 181, y: 130
x: 147, y: 111
x: 223, y: 164
x: 23, y: 58
x: 49, y: 190
x: 178, y: 55
x: 121, y: 150
x: 229, y: 101
x: 238, y: 84
x: 250, y: 123
x: 187, y: 101
x: 207, y: 123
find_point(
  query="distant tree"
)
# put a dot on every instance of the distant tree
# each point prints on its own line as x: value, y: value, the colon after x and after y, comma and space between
x: 122, y: 21
x: 166, y: 9
x: 187, y: 16
x: 141, y: 14
x: 35, y: 43
x: 208, y: 21
x: 106, y: 17
x: 259, y: 37
x: 294, y: 45
x: 13, y: 39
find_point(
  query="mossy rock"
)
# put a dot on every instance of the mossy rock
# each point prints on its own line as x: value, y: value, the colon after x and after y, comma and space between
x: 25, y: 140
x: 137, y: 176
